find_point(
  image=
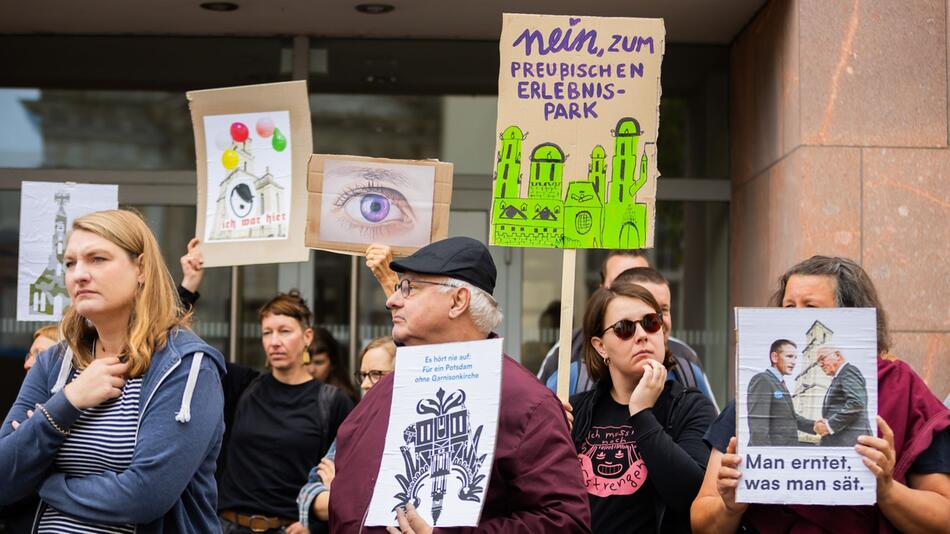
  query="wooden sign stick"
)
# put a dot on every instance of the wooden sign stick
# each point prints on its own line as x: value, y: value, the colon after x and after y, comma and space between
x: 568, y: 263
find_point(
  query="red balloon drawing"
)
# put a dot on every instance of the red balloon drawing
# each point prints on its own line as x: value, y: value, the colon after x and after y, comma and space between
x: 239, y: 132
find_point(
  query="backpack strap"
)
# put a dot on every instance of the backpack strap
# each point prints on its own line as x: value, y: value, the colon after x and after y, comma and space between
x: 324, y: 400
x: 684, y: 372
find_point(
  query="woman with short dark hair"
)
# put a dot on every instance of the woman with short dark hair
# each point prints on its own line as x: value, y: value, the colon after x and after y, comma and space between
x: 327, y: 362
x: 283, y: 424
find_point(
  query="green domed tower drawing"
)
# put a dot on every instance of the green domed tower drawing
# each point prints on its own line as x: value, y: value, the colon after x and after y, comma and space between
x: 597, y: 171
x: 508, y: 168
x: 546, y: 172
x: 624, y: 163
x: 625, y: 219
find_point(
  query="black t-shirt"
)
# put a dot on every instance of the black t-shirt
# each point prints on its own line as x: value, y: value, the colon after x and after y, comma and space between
x: 276, y: 438
x: 621, y: 497
x: 234, y: 382
x: 936, y: 459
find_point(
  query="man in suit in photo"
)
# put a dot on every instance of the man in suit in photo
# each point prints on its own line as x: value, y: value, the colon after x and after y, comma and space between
x: 772, y: 418
x: 844, y: 410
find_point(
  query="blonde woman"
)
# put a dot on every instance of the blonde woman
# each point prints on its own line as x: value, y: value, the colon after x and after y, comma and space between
x: 44, y: 338
x: 118, y: 427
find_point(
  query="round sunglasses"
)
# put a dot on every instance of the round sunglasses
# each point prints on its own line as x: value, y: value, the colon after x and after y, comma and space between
x: 625, y: 328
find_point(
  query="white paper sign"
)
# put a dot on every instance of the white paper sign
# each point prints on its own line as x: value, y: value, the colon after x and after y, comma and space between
x: 249, y: 176
x: 807, y: 390
x: 440, y: 443
x: 47, y: 209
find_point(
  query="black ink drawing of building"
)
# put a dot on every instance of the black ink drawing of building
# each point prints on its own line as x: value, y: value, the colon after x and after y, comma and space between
x: 48, y: 292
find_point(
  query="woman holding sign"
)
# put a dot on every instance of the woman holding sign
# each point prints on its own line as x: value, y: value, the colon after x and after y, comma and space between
x: 118, y: 428
x: 284, y: 423
x: 911, y: 459
x: 639, y: 436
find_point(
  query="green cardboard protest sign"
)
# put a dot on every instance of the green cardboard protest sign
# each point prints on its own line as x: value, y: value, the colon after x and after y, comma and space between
x: 578, y: 117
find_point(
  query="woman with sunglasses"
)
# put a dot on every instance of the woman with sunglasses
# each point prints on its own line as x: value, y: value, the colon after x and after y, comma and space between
x: 639, y: 436
x: 377, y: 360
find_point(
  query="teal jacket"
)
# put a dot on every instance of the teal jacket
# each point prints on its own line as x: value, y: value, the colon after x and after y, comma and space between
x: 169, y: 486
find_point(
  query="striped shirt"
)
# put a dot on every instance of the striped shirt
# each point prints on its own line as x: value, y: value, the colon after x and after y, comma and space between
x: 101, y: 440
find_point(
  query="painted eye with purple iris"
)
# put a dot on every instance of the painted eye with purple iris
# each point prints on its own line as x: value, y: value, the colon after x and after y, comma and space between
x: 374, y: 207
x: 371, y: 202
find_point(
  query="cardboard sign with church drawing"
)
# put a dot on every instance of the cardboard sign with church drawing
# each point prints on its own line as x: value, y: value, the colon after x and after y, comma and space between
x: 252, y: 145
x: 440, y: 442
x: 578, y: 117
x: 47, y: 211
x: 355, y: 201
x: 807, y: 388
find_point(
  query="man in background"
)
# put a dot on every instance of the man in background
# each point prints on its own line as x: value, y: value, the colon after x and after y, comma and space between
x: 631, y: 266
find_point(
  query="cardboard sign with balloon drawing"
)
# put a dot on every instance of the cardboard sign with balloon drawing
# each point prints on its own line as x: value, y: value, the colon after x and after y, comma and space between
x: 252, y: 145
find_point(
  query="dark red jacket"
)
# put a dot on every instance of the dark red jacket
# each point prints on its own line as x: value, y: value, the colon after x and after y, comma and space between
x: 914, y: 414
x: 535, y: 485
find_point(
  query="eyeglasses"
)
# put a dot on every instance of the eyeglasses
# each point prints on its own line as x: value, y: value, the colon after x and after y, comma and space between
x: 373, y: 376
x: 405, y: 286
x: 625, y: 328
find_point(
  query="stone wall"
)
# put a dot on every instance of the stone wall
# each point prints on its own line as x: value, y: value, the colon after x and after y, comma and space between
x: 839, y: 146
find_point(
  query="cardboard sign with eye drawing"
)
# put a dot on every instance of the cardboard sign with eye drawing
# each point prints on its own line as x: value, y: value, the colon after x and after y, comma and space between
x: 356, y: 201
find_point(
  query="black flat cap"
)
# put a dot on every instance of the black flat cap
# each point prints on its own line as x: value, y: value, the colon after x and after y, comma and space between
x: 462, y: 258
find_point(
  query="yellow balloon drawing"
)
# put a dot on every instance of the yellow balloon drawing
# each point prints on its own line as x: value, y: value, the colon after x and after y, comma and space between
x: 229, y: 159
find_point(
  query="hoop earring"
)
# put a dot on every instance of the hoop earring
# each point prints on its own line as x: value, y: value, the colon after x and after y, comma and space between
x: 306, y: 357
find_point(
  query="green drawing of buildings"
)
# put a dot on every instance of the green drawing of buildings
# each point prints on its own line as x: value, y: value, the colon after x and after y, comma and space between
x: 593, y: 213
x: 508, y: 175
x: 48, y: 293
x: 584, y: 215
x: 534, y: 221
x: 597, y: 172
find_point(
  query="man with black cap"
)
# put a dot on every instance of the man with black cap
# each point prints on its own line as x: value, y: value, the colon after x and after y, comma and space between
x: 444, y: 295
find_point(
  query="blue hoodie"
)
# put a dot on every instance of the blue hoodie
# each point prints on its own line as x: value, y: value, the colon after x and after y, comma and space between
x: 169, y: 486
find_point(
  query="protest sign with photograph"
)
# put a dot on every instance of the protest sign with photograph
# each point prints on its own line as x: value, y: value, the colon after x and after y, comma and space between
x: 440, y: 442
x: 47, y: 209
x: 356, y: 201
x: 578, y: 117
x: 807, y: 388
x: 252, y: 145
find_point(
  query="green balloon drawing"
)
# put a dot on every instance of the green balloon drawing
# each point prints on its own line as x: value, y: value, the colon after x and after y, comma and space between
x: 278, y: 141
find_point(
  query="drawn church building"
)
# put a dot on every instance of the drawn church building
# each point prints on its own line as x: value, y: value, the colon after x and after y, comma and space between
x: 48, y: 292
x: 245, y: 196
x: 812, y: 383
x: 594, y: 213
